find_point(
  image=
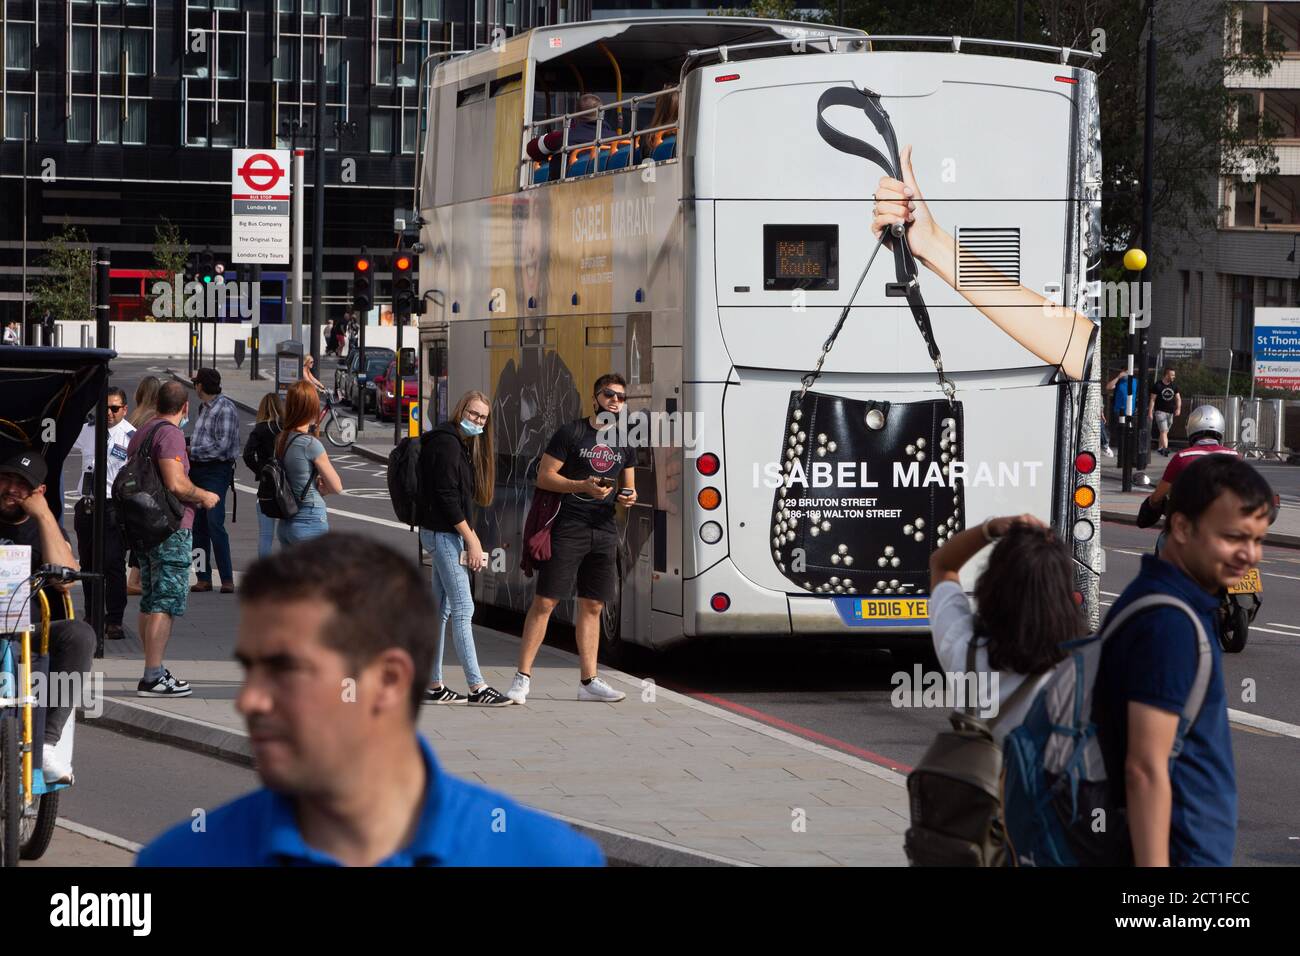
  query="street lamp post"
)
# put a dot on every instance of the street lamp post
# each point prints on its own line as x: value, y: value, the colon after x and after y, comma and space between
x: 1148, y: 189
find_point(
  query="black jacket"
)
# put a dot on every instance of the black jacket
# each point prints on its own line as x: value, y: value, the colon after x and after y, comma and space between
x: 446, y: 479
x: 260, y: 447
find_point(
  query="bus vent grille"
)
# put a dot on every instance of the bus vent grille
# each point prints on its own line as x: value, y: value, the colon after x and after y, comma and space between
x: 988, y: 258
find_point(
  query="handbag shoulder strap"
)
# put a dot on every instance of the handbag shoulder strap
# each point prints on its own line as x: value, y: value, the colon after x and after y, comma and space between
x: 907, y: 285
x: 1020, y: 693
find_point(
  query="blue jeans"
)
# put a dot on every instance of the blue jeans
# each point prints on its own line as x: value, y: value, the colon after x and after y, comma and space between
x: 265, y: 533
x: 310, y: 522
x: 210, y: 534
x: 451, y: 592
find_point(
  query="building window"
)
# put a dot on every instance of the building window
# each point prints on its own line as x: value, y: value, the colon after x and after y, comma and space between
x: 110, y: 51
x: 83, y: 50
x: 287, y: 62
x: 433, y: 9
x: 410, y: 131
x: 196, y: 124
x: 384, y: 8
x: 137, y: 3
x: 110, y: 121
x: 18, y: 46
x: 136, y: 128
x: 1279, y: 201
x: 81, y: 122
x: 331, y: 7
x: 1243, y: 314
x: 284, y: 6
x: 333, y: 57
x: 381, y: 131
x: 225, y: 4
x: 1272, y: 25
x: 137, y: 52
x: 228, y: 53
x: 1282, y: 107
x: 225, y: 131
x: 17, y: 106
x: 309, y: 7
x: 411, y: 56
x: 411, y: 9
x: 384, y: 65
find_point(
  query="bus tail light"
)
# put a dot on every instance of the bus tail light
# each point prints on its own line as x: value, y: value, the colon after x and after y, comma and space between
x: 707, y: 464
x: 1084, y: 496
x: 720, y: 602
x: 1083, y: 530
x: 709, y: 498
x: 1085, y: 463
x: 710, y: 532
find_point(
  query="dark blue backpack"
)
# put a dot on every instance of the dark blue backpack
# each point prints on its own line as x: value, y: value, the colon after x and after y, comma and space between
x: 1057, y: 804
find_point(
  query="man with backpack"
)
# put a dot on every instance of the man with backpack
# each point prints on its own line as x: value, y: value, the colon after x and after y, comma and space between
x: 165, y: 567
x: 1170, y: 767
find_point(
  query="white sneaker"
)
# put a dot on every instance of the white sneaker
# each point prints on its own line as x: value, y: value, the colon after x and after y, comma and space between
x: 599, y: 690
x: 519, y: 688
x: 54, y: 765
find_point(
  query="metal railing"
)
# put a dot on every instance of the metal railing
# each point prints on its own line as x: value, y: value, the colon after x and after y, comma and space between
x: 568, y: 151
x: 1257, y: 427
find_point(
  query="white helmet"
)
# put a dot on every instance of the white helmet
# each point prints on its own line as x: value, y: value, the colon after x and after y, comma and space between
x: 1205, y: 418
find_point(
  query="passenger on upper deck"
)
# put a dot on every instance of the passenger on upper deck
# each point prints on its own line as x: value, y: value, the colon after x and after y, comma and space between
x: 665, y: 115
x: 582, y: 131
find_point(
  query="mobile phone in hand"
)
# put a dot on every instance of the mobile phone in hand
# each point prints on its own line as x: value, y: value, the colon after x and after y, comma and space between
x: 626, y: 492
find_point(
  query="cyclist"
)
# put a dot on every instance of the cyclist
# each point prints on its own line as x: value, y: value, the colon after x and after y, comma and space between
x: 307, y: 375
x: 26, y: 519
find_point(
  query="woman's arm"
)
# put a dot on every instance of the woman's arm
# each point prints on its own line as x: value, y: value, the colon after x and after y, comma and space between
x: 1055, y: 333
x: 327, y: 479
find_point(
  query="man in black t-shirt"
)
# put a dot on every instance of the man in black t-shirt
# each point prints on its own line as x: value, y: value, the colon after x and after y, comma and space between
x: 586, y: 464
x: 25, y: 518
x: 1165, y: 405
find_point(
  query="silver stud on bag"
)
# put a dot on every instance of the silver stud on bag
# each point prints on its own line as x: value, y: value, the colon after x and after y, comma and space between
x: 875, y: 419
x: 920, y: 456
x: 793, y: 441
x: 843, y: 549
x: 826, y: 526
x: 831, y: 446
x: 848, y: 560
x: 794, y: 428
x: 882, y: 584
x: 803, y: 435
x: 919, y: 536
x: 907, y: 529
x: 798, y: 414
x: 835, y: 580
x: 882, y: 562
x: 821, y: 451
x: 814, y: 531
x: 893, y: 583
x: 889, y: 550
x: 835, y: 559
x: 894, y: 562
x: 798, y: 449
x: 920, y: 443
x: 920, y: 522
x: 910, y: 449
x: 821, y: 438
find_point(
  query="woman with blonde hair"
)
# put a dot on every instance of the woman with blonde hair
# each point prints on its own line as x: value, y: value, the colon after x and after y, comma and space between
x: 146, y: 401
x: 457, y: 471
x: 306, y: 465
x: 258, y: 452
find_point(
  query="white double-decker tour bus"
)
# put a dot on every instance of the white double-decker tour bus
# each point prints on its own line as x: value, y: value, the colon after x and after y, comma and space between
x: 689, y: 203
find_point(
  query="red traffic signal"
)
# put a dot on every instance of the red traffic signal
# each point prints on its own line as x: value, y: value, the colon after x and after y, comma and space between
x: 363, y: 265
x: 402, y: 264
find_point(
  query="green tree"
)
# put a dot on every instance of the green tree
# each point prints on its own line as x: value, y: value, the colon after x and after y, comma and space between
x: 65, y: 289
x: 773, y: 10
x: 171, y: 253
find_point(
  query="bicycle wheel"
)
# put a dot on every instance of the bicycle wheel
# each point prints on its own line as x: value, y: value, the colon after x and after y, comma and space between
x: 333, y: 432
x: 39, y: 829
x: 11, y: 808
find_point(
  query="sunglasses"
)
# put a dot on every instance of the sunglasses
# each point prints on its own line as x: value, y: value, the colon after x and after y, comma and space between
x: 115, y: 408
x: 610, y: 393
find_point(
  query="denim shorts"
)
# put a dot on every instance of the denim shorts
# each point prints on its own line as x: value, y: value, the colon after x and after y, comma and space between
x: 165, y: 576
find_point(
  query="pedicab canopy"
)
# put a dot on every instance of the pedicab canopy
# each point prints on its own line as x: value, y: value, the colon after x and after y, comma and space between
x: 45, y: 396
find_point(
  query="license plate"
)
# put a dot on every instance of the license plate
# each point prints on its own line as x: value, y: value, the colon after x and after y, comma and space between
x: 1250, y: 584
x: 884, y: 612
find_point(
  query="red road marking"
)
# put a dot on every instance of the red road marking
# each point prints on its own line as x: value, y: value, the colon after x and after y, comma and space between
x: 797, y: 730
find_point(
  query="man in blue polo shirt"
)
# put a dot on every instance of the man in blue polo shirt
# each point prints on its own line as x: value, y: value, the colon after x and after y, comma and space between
x: 1181, y: 812
x: 335, y: 643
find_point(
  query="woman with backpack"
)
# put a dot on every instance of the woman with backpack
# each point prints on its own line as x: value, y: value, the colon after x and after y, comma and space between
x: 306, y: 465
x: 457, y: 470
x: 1027, y: 607
x: 258, y: 451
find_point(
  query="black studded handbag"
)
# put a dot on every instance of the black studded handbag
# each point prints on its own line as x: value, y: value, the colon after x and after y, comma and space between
x: 834, y: 532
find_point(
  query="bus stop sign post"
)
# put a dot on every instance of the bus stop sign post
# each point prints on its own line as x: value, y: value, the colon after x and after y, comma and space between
x: 96, y: 595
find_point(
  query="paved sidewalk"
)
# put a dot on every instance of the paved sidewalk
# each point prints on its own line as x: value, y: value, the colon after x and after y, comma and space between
x: 658, y: 778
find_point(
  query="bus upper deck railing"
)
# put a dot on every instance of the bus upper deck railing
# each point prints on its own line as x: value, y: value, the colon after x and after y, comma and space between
x: 571, y: 155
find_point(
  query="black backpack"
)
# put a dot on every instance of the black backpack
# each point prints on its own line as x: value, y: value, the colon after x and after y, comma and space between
x: 955, y: 792
x: 275, y: 496
x: 147, y: 512
x: 404, y: 479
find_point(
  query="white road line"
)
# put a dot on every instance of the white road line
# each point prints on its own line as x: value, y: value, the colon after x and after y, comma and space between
x: 1136, y: 554
x: 1256, y: 627
x: 1110, y: 594
x: 99, y: 835
x: 1294, y: 627
x: 1274, y: 574
x: 340, y: 512
x: 1264, y: 723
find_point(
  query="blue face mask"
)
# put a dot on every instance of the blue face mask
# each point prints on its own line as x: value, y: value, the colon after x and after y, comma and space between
x: 470, y: 428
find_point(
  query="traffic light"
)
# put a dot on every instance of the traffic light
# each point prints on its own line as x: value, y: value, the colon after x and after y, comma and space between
x: 207, y: 266
x: 191, y: 267
x: 363, y: 289
x: 403, y: 287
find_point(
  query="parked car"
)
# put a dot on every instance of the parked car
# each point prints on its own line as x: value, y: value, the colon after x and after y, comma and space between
x: 358, y: 373
x: 385, y: 389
